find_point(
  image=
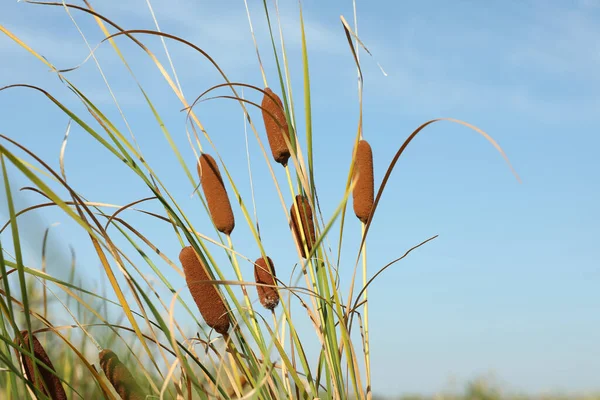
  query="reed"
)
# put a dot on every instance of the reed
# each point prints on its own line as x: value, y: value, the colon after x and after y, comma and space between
x: 250, y: 356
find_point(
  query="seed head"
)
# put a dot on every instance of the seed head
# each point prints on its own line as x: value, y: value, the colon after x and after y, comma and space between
x: 47, y: 382
x: 120, y: 377
x: 304, y: 226
x: 216, y: 194
x: 363, y: 193
x: 265, y: 275
x: 276, y: 126
x: 205, y: 293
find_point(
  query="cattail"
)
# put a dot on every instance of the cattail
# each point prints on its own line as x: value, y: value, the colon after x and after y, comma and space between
x: 216, y: 195
x: 364, y: 188
x: 301, y: 208
x: 265, y: 275
x: 276, y: 126
x: 205, y: 294
x: 120, y: 377
x: 47, y: 382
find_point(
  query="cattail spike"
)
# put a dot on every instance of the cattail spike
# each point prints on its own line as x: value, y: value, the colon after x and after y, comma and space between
x: 119, y: 376
x: 216, y: 194
x: 363, y: 193
x: 265, y: 275
x: 301, y: 208
x: 47, y: 382
x: 276, y: 126
x: 205, y: 294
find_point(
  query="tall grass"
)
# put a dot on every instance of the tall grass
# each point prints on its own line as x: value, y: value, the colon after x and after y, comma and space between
x: 162, y: 344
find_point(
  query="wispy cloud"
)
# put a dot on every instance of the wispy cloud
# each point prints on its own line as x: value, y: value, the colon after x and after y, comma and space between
x: 205, y: 22
x: 443, y: 67
x: 546, y: 65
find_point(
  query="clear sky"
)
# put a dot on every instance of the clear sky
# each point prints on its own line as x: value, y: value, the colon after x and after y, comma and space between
x: 510, y: 287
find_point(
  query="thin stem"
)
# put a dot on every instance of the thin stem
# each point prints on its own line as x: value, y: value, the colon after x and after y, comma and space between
x: 366, y: 319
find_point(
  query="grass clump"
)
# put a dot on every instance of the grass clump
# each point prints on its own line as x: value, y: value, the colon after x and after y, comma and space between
x: 260, y: 353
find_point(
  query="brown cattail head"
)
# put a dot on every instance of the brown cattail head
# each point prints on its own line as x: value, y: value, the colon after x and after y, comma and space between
x: 301, y: 208
x: 276, y: 126
x: 363, y: 193
x: 205, y: 293
x: 216, y: 195
x: 120, y: 377
x: 265, y: 275
x: 46, y: 382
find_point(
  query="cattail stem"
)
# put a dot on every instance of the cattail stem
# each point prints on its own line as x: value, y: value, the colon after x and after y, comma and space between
x: 237, y: 360
x: 281, y: 338
x: 238, y: 273
x: 367, y: 350
x: 233, y: 377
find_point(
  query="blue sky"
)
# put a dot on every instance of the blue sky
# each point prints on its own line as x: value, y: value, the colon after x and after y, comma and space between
x: 511, y: 285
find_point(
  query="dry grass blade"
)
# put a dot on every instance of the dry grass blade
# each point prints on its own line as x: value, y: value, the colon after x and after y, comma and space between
x: 262, y: 70
x: 220, y: 85
x: 276, y: 126
x: 125, y: 207
x: 363, y: 192
x: 302, y: 225
x: 216, y: 194
x: 63, y: 147
x: 392, y: 165
x: 205, y: 294
x: 45, y: 380
x: 265, y: 275
x: 356, y: 303
x: 119, y: 376
x: 350, y: 33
